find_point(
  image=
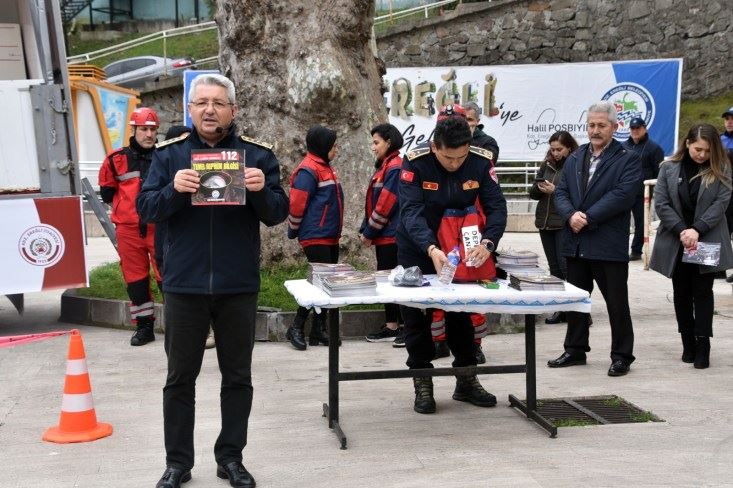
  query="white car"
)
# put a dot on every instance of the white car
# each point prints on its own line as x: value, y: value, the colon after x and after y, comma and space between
x: 135, y: 72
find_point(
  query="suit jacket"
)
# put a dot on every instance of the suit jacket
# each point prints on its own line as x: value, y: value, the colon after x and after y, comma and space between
x: 712, y: 202
x: 606, y: 201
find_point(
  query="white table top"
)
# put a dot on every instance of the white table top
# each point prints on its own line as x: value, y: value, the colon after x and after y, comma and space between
x: 452, y: 298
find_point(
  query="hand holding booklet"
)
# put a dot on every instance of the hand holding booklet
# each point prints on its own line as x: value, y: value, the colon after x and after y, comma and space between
x: 705, y: 253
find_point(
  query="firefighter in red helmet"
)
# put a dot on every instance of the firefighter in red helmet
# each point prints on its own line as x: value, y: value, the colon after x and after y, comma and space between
x: 120, y: 178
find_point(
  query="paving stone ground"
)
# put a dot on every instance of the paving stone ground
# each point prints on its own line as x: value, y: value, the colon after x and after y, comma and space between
x: 389, y: 444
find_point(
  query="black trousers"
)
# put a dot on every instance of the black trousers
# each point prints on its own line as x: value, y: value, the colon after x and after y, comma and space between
x: 387, y: 259
x: 319, y: 254
x: 419, y: 340
x: 611, y: 277
x: 693, y: 299
x: 637, y: 211
x: 552, y: 244
x: 187, y: 319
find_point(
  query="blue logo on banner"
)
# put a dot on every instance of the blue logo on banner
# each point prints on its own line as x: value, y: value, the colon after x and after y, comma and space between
x: 631, y: 100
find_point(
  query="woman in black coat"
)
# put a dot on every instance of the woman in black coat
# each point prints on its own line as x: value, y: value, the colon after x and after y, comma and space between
x: 691, y: 196
x: 547, y: 220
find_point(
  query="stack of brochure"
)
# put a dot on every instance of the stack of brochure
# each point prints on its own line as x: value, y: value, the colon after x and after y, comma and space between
x: 536, y: 283
x: 317, y: 270
x: 350, y: 284
x: 519, y: 263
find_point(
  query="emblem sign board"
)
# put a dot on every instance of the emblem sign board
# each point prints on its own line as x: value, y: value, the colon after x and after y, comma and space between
x: 42, y: 246
x: 523, y: 105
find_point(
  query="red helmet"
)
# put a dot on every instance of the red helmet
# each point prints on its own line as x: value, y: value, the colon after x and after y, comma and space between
x: 144, y: 116
x: 450, y: 111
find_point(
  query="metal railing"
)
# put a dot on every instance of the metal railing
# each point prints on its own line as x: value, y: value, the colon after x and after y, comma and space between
x: 164, y: 35
x: 392, y: 16
x: 211, y: 25
x: 527, y: 171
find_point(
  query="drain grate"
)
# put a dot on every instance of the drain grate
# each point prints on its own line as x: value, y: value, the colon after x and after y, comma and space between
x: 598, y: 410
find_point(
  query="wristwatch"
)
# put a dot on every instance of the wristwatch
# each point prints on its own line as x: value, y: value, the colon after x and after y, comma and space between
x: 488, y: 244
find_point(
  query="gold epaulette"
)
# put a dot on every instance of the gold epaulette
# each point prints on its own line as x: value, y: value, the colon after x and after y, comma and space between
x: 172, y: 140
x: 418, y: 153
x: 256, y: 142
x: 482, y: 152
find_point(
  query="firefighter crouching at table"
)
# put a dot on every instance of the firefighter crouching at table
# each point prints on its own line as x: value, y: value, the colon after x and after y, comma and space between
x: 120, y: 178
x: 449, y: 175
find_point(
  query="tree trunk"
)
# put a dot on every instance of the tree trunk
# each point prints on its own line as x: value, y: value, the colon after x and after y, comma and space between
x: 297, y: 63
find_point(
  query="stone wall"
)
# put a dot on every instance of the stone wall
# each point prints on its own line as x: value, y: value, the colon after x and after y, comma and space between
x: 556, y: 31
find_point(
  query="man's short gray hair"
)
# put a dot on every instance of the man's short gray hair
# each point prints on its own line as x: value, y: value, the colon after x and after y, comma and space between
x: 213, y: 79
x: 604, y: 107
x: 472, y: 106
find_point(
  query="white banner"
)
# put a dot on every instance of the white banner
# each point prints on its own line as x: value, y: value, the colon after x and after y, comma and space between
x: 42, y: 245
x: 523, y: 105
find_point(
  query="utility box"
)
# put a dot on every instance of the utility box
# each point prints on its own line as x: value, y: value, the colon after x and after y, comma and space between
x: 12, y: 61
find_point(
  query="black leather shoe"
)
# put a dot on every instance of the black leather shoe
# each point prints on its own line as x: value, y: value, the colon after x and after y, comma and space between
x: 173, y: 477
x: 688, y: 348
x: 565, y: 360
x: 618, y: 368
x: 237, y: 475
x: 634, y: 256
x: 556, y: 318
x: 702, y: 353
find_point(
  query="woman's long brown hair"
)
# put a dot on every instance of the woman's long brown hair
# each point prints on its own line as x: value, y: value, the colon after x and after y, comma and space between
x: 718, y: 158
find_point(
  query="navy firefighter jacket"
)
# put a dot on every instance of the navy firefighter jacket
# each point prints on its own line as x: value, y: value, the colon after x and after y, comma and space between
x: 212, y: 249
x: 427, y: 190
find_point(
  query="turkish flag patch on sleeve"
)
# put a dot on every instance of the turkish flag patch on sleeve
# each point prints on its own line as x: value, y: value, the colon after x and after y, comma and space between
x: 407, y: 176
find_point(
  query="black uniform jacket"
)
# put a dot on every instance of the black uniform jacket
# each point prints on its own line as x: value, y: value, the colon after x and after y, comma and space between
x: 427, y: 190
x: 211, y: 249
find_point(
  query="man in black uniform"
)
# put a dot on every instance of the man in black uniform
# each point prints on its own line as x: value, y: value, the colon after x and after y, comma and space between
x: 479, y: 138
x: 211, y: 276
x: 450, y: 174
x: 649, y: 155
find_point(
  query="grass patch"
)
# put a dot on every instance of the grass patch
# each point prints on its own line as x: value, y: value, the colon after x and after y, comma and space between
x: 612, y: 402
x: 706, y: 110
x: 197, y: 46
x: 643, y: 417
x: 106, y: 282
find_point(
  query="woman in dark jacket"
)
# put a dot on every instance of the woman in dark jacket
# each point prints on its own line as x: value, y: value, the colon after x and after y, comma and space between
x: 691, y: 196
x: 381, y: 215
x: 315, y: 219
x: 547, y: 220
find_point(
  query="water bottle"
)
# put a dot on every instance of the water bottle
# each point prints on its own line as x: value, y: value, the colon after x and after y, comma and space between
x: 449, y: 269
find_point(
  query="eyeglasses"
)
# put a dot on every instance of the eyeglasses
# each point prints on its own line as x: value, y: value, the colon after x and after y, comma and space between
x: 217, y: 104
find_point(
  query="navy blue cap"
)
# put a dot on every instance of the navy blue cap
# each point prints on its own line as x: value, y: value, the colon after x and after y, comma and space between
x: 637, y: 122
x: 728, y: 112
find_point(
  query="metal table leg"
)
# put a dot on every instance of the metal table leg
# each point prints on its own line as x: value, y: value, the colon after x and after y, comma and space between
x: 530, y: 408
x: 331, y: 409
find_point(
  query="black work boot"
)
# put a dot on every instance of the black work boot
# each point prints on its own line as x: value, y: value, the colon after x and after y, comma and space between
x: 468, y: 389
x: 424, y: 401
x: 688, y: 348
x: 144, y: 332
x: 319, y: 330
x: 295, y: 333
x: 702, y: 352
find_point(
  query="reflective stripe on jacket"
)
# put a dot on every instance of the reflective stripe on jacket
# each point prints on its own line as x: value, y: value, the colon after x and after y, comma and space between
x: 316, y: 203
x: 381, y: 208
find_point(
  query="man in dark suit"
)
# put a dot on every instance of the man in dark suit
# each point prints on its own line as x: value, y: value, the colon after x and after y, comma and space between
x: 596, y: 192
x: 649, y: 155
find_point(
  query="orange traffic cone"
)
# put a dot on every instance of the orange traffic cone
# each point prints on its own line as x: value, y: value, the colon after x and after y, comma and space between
x: 78, y: 421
